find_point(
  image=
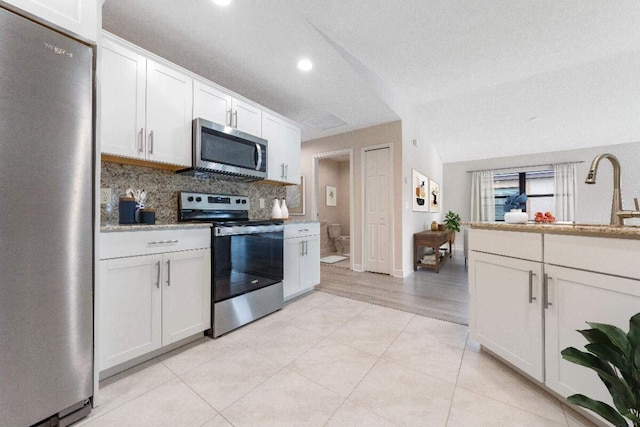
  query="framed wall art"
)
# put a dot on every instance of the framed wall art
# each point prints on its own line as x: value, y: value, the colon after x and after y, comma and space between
x: 434, y: 196
x: 332, y: 197
x: 295, y: 198
x: 419, y: 191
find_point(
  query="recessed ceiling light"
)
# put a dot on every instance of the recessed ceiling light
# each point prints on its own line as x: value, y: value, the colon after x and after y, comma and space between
x: 305, y: 65
x: 222, y: 2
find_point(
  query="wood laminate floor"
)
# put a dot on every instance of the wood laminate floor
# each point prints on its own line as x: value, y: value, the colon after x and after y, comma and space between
x: 443, y: 295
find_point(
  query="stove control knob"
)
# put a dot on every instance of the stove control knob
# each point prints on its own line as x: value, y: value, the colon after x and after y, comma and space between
x: 237, y: 200
x: 198, y: 199
x: 190, y: 199
x: 244, y: 202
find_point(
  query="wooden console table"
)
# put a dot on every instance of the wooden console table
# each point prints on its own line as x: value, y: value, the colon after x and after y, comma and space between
x: 432, y: 239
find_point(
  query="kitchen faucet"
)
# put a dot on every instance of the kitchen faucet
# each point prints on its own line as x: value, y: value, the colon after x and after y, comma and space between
x: 617, y: 213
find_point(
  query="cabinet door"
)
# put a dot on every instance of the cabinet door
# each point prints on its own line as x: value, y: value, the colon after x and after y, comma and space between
x: 273, y: 132
x: 310, y: 263
x: 121, y: 94
x: 291, y: 265
x: 292, y: 153
x: 79, y: 17
x: 186, y: 294
x: 211, y: 104
x: 169, y: 110
x: 247, y: 117
x: 505, y: 309
x: 130, y: 309
x: 577, y: 297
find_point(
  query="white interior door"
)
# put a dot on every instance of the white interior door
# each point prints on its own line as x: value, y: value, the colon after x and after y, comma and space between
x: 377, y: 251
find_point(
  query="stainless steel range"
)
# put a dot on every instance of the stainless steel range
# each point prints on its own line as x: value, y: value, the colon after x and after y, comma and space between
x: 247, y: 271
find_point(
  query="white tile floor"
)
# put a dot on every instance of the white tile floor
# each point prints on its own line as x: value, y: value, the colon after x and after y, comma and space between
x: 327, y: 360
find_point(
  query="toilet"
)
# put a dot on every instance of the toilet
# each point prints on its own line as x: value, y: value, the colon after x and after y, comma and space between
x: 340, y: 243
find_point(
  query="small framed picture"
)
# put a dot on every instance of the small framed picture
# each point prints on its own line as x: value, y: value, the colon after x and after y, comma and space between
x: 332, y: 197
x: 434, y: 196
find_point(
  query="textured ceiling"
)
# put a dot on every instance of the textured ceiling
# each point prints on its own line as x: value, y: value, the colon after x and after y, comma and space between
x: 488, y: 78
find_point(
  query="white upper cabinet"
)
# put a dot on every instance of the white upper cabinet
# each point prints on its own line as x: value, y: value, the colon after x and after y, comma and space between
x: 283, y: 149
x: 122, y: 83
x: 210, y: 103
x: 215, y: 105
x: 77, y: 17
x: 145, y: 107
x: 246, y: 117
x: 169, y: 104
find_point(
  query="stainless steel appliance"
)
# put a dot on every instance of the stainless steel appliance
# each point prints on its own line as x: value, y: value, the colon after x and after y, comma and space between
x: 247, y: 259
x: 46, y: 225
x: 226, y: 153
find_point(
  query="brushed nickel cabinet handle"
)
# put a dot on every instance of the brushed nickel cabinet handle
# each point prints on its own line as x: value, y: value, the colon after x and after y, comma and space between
x: 301, y: 248
x: 286, y: 171
x: 140, y: 142
x: 531, y: 297
x: 229, y: 116
x: 546, y: 291
x: 235, y: 115
x: 163, y: 242
x: 282, y: 175
x: 158, y: 278
x: 168, y: 272
x: 151, y: 142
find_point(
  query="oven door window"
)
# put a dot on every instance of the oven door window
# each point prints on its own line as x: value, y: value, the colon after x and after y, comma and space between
x: 246, y: 262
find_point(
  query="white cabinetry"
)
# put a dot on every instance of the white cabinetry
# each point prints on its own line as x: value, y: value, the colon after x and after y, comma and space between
x: 218, y: 106
x: 284, y: 149
x: 301, y: 258
x: 505, y: 307
x: 150, y: 298
x: 583, y: 279
x: 77, y: 17
x: 145, y: 107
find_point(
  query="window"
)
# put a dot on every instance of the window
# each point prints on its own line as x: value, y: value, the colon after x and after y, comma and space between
x: 538, y: 186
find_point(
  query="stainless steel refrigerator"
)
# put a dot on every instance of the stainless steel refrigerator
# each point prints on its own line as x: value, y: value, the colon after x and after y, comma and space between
x: 46, y: 223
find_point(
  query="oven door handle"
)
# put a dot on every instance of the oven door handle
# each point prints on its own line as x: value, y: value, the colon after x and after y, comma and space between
x: 248, y: 229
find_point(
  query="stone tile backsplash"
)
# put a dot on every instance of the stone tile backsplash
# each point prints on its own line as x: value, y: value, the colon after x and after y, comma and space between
x: 162, y: 189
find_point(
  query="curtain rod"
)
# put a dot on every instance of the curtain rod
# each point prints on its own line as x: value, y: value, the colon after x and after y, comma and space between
x: 527, y: 166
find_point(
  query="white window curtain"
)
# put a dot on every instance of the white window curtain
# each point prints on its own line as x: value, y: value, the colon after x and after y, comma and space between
x: 483, y: 202
x: 565, y: 184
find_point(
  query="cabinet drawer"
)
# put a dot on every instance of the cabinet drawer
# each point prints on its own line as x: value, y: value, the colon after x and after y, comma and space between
x: 132, y: 243
x: 611, y: 256
x: 301, y: 229
x: 508, y: 243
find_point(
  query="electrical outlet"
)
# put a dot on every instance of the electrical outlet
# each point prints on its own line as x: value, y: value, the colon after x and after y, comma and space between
x: 105, y: 196
x: 261, y: 203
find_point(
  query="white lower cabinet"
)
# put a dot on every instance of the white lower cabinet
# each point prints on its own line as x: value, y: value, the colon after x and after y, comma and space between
x: 146, y: 302
x: 576, y: 297
x: 506, y: 310
x: 130, y: 308
x: 301, y: 258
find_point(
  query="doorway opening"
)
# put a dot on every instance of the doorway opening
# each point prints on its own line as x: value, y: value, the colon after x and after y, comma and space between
x: 333, y: 206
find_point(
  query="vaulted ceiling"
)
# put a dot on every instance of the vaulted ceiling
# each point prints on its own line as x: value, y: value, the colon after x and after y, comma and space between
x: 486, y: 78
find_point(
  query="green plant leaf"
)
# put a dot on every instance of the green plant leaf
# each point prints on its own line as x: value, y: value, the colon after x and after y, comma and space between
x: 616, y: 335
x: 600, y: 408
x: 605, y: 352
x: 588, y: 360
x: 634, y: 331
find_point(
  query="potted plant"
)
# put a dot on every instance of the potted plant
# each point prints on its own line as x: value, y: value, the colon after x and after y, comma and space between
x: 452, y: 222
x: 615, y: 356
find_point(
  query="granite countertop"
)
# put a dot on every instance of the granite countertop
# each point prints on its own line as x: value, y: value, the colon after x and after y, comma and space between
x: 591, y: 230
x: 147, y: 227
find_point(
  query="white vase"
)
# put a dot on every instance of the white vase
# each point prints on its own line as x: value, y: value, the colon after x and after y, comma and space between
x: 276, y: 212
x: 284, y: 210
x: 516, y: 216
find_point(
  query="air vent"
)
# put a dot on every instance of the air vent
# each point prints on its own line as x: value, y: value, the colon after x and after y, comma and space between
x: 326, y: 122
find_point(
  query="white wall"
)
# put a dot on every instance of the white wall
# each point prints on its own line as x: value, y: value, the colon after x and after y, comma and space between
x: 594, y: 201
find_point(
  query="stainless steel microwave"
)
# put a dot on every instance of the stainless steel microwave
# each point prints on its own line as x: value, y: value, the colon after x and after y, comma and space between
x: 226, y: 153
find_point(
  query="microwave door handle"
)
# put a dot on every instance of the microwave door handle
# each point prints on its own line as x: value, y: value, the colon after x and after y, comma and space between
x: 258, y: 157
